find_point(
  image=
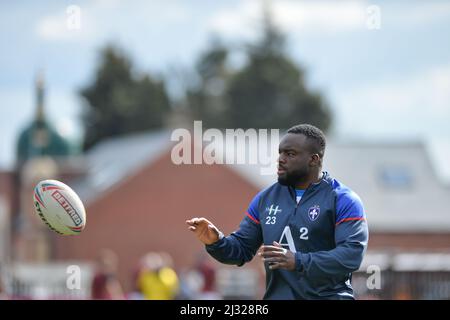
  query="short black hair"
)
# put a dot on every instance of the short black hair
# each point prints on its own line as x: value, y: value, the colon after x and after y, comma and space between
x: 312, y: 133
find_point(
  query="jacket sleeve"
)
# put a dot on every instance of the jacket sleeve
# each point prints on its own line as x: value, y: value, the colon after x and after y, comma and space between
x: 351, y: 237
x: 240, y: 246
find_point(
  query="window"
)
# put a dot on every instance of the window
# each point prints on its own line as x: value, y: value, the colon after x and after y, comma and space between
x: 396, y: 177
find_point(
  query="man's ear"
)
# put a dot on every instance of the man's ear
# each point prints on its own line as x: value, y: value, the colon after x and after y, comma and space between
x: 315, y: 160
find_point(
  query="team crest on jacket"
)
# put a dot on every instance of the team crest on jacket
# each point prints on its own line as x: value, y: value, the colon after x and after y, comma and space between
x: 313, y: 213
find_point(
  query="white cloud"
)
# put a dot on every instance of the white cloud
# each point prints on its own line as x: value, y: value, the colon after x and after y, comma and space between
x: 417, y: 105
x: 320, y: 16
x: 291, y: 16
x: 107, y: 4
x: 418, y: 13
x: 59, y: 25
x: 52, y: 28
x: 241, y: 20
x: 439, y: 86
x: 103, y: 19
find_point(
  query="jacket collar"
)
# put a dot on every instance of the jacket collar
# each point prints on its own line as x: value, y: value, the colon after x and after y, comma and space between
x: 325, y: 179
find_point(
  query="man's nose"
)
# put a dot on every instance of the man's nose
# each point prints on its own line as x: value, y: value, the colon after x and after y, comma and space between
x: 281, y: 159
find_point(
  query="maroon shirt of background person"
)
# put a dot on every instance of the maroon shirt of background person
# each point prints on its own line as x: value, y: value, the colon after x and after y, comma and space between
x: 100, y: 286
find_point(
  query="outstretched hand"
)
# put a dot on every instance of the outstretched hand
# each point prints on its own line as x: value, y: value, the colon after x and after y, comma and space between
x: 205, y: 231
x: 277, y: 257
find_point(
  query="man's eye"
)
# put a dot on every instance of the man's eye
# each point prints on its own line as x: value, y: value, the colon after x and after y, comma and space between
x: 291, y: 154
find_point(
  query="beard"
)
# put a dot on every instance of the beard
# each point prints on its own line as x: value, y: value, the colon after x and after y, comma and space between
x: 293, y: 178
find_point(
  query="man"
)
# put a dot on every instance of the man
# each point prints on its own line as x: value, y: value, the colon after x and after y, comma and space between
x: 311, y: 227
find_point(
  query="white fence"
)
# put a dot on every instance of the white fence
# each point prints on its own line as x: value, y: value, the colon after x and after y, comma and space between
x: 62, y: 280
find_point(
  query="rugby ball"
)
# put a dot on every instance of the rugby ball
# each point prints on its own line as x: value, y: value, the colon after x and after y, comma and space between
x: 59, y: 207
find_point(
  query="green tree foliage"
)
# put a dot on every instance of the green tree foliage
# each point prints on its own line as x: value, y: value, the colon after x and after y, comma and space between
x: 268, y: 92
x: 207, y: 99
x: 119, y: 102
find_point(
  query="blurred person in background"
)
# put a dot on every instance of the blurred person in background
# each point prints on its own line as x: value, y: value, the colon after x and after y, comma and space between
x: 199, y: 281
x: 403, y: 291
x: 191, y: 283
x: 157, y: 280
x: 135, y: 293
x: 105, y: 285
x: 3, y: 295
x: 207, y: 272
x: 312, y: 228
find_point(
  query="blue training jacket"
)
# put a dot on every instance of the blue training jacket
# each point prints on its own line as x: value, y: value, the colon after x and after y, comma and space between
x: 327, y: 230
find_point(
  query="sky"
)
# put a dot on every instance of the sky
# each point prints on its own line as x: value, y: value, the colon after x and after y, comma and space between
x: 383, y: 66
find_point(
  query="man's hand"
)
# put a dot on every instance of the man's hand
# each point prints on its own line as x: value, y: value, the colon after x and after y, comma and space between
x: 277, y: 257
x: 205, y: 231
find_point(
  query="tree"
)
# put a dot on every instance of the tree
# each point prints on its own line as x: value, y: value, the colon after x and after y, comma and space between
x: 119, y: 102
x: 206, y: 99
x: 268, y: 92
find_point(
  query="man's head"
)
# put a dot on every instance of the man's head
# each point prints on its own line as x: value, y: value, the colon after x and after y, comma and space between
x: 301, y: 153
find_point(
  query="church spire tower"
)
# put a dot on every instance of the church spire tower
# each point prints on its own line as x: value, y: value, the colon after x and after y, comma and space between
x: 40, y: 95
x: 40, y: 138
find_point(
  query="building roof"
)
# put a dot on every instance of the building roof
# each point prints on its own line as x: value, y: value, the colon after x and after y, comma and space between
x: 110, y: 162
x: 396, y: 181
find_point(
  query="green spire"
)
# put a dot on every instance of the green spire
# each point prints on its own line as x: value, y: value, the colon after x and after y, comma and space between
x: 40, y: 138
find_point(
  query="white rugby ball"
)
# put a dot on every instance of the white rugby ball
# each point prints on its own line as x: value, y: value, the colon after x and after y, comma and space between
x: 59, y: 207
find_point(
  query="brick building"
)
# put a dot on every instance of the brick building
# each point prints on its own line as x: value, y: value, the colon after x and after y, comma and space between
x: 137, y: 201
